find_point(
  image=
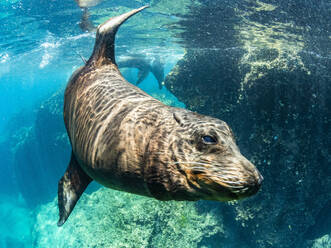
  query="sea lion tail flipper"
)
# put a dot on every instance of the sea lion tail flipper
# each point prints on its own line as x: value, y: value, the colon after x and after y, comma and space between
x: 71, y: 186
x: 104, y: 49
x: 142, y: 75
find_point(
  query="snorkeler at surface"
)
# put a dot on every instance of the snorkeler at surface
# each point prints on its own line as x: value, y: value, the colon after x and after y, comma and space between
x: 85, y: 24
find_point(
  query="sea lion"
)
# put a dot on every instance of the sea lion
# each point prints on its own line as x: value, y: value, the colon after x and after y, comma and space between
x: 127, y: 140
x: 144, y: 65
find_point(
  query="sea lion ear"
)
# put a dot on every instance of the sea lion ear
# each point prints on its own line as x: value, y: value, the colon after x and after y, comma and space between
x: 179, y: 118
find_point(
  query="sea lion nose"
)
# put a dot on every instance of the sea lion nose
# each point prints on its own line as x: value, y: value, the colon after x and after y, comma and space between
x: 260, y: 178
x: 255, y: 184
x: 253, y: 189
x: 254, y: 177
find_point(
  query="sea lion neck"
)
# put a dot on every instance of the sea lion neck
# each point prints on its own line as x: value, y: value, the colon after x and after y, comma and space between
x: 104, y: 50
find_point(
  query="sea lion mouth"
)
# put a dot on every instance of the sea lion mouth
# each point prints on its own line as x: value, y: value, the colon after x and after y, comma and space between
x: 216, y: 184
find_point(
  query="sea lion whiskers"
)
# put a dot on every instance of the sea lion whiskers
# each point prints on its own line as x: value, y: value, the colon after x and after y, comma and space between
x: 227, y: 172
x: 210, y: 171
x: 212, y: 168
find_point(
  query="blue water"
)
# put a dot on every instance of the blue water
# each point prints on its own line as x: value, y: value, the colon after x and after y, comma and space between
x: 41, y: 44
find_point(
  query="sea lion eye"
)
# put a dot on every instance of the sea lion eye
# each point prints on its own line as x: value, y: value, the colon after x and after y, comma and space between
x: 209, y: 140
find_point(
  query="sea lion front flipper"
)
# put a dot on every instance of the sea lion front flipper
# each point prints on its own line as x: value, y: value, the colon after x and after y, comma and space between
x: 71, y: 186
x: 142, y: 74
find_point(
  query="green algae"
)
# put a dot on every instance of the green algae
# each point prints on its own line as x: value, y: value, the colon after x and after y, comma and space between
x: 109, y: 218
x: 268, y: 45
x: 322, y: 242
x: 266, y: 79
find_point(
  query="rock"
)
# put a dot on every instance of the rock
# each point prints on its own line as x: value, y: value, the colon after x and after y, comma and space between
x: 275, y: 95
x: 323, y: 242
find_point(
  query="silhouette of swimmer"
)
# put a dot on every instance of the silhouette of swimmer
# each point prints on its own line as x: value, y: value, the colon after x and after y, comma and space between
x: 85, y: 24
x: 144, y: 65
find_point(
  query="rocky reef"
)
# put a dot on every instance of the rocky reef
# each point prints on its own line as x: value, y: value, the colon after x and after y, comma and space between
x: 109, y: 218
x: 322, y: 242
x: 254, y: 66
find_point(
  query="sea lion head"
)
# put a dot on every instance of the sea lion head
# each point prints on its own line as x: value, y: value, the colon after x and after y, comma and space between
x: 206, y: 155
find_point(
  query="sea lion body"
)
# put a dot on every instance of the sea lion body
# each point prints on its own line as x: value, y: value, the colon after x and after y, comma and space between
x: 116, y: 122
x: 127, y: 140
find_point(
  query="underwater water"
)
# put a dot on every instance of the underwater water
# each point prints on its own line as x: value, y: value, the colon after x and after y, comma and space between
x: 263, y: 66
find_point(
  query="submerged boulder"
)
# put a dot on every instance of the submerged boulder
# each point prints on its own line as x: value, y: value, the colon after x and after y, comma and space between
x: 322, y: 242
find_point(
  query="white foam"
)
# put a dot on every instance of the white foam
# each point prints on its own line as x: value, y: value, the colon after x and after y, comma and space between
x: 45, y: 60
x: 4, y: 63
x: 77, y: 37
x: 49, y: 48
x: 50, y: 45
x: 4, y: 57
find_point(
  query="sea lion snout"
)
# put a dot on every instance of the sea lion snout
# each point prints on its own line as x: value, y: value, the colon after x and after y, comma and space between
x: 227, y: 179
x: 250, y: 179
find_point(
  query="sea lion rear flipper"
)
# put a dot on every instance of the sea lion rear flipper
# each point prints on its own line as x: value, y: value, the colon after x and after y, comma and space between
x: 157, y: 69
x: 142, y: 74
x: 71, y: 186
